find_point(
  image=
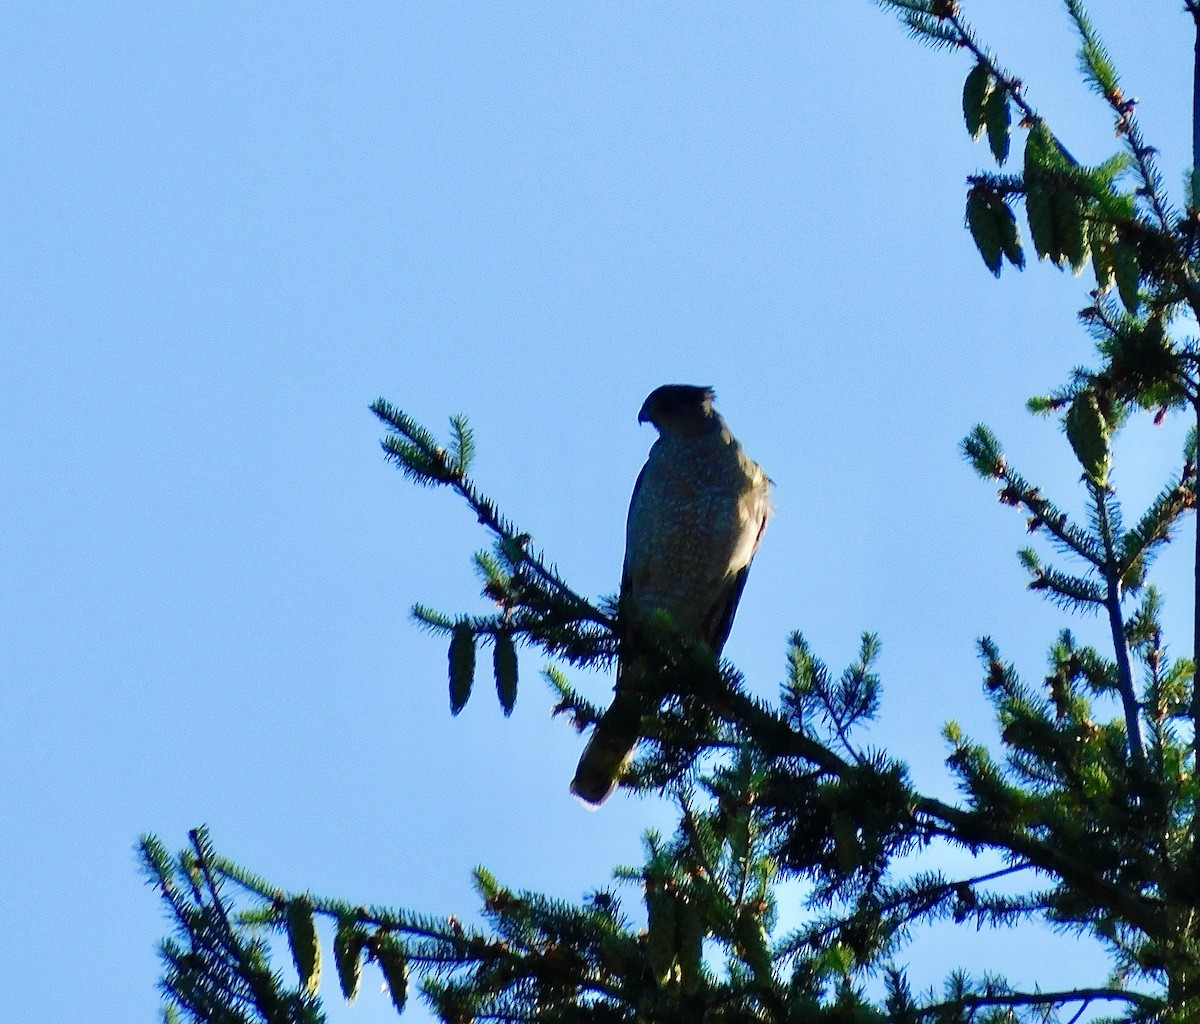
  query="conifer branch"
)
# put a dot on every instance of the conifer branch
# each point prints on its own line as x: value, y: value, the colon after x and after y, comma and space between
x: 913, y: 903
x: 1048, y: 516
x: 969, y: 828
x: 942, y: 22
x: 1139, y: 544
x: 967, y: 39
x: 1131, y: 245
x: 1072, y: 591
x: 975, y: 1001
x: 419, y: 456
x: 199, y: 841
x: 1126, y: 687
x: 1097, y: 67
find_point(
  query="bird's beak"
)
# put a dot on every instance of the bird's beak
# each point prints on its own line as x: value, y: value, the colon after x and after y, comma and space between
x: 644, y: 414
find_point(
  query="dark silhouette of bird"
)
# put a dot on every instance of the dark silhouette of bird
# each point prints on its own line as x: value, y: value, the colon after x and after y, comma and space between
x: 696, y: 519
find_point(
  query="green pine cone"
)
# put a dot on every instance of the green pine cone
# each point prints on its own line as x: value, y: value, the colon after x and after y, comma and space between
x: 305, y: 943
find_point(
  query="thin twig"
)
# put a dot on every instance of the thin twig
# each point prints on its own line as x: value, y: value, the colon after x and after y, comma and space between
x: 1086, y: 995
x: 928, y: 897
x: 1010, y: 85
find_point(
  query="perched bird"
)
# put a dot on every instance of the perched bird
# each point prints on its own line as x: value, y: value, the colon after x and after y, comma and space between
x: 696, y: 518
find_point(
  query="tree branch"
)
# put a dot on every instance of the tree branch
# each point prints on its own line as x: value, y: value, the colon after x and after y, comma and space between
x: 1084, y: 995
x: 779, y: 740
x: 1116, y: 621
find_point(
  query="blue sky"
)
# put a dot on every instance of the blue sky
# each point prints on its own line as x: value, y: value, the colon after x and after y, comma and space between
x: 229, y: 227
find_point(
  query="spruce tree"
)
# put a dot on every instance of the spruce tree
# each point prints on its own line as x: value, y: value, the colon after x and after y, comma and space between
x: 1087, y: 795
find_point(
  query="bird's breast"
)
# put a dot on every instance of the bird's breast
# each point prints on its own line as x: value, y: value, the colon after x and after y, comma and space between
x: 694, y: 525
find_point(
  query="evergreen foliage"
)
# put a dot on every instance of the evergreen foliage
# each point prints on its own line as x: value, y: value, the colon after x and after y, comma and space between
x: 1088, y: 798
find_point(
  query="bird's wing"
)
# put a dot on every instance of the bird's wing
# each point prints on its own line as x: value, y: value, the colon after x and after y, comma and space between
x: 633, y: 504
x: 719, y: 620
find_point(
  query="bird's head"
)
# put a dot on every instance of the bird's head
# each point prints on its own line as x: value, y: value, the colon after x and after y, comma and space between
x: 680, y: 408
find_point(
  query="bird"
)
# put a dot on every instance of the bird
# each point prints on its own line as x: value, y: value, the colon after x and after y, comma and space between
x: 696, y: 519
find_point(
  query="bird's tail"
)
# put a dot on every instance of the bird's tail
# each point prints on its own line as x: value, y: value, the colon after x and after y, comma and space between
x: 608, y: 750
